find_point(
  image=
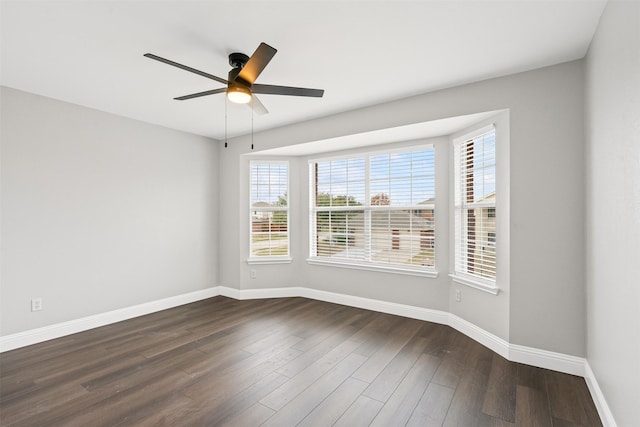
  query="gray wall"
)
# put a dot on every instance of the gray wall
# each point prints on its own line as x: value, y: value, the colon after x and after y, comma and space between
x: 100, y: 212
x: 543, y: 305
x: 613, y: 208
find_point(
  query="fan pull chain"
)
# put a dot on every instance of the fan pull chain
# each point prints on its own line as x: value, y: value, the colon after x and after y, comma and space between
x: 252, y: 114
x: 225, y: 122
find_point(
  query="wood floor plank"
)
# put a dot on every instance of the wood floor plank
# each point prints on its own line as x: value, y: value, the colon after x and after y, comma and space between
x: 465, y: 409
x: 16, y: 386
x: 148, y: 373
x: 386, y: 382
x: 173, y: 412
x: 432, y: 408
x: 332, y: 408
x: 532, y: 377
x: 311, y: 355
x: 485, y: 420
x: 222, y: 394
x: 127, y: 406
x: 500, y: 395
x: 360, y: 413
x: 379, y: 326
x: 215, y: 393
x: 564, y: 399
x: 47, y: 398
x: 449, y: 372
x: 244, y: 317
x: 60, y: 365
x: 218, y: 384
x: 268, y: 341
x: 314, y: 325
x: 584, y: 398
x: 378, y: 362
x: 132, y: 371
x: 559, y: 422
x: 221, y: 361
x: 16, y: 360
x: 238, y: 336
x: 399, y: 408
x: 256, y: 415
x: 443, y: 343
x: 532, y: 408
x: 340, y: 325
x: 299, y: 407
x: 225, y: 409
x: 218, y: 361
x: 296, y: 385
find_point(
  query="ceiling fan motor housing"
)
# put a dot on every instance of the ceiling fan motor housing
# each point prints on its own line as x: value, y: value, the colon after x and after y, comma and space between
x: 238, y: 60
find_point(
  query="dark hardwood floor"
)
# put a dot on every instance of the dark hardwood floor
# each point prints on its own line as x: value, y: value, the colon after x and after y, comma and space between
x: 280, y: 362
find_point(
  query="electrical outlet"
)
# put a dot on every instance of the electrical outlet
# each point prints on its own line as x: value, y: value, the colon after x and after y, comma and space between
x: 253, y: 273
x: 36, y: 304
x: 458, y: 295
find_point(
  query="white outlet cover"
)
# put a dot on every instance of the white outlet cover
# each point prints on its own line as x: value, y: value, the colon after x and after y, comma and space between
x: 36, y: 304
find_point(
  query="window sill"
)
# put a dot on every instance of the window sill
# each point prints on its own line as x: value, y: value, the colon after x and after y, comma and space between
x: 270, y: 260
x: 475, y: 283
x: 390, y: 269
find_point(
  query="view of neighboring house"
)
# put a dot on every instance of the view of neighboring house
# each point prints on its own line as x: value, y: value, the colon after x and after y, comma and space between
x: 260, y: 217
x: 268, y: 230
x: 482, y: 232
x: 385, y: 235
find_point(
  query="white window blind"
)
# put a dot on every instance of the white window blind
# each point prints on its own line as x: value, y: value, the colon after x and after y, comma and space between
x: 475, y: 205
x: 375, y: 209
x: 269, y: 207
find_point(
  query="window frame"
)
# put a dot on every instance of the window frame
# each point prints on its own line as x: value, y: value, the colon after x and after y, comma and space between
x: 482, y: 283
x: 270, y: 259
x: 368, y: 208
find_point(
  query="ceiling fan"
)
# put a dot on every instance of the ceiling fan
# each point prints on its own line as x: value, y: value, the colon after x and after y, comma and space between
x: 240, y: 84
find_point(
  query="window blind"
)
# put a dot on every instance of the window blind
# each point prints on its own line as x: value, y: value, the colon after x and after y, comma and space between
x: 475, y: 205
x: 377, y: 208
x: 269, y: 205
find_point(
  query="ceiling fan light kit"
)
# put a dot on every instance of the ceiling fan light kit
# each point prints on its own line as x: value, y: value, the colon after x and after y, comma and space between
x: 239, y: 94
x: 240, y: 84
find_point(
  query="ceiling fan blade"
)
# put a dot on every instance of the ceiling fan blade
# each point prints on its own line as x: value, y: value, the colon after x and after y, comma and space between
x: 257, y: 106
x: 184, y: 67
x: 199, y: 94
x: 286, y: 90
x: 256, y: 64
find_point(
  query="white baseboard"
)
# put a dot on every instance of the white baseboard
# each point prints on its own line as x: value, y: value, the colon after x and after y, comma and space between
x: 606, y: 416
x: 547, y: 359
x: 243, y: 294
x: 478, y: 334
x: 34, y: 336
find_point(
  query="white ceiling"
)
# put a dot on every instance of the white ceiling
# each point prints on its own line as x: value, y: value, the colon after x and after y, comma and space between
x: 362, y: 53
